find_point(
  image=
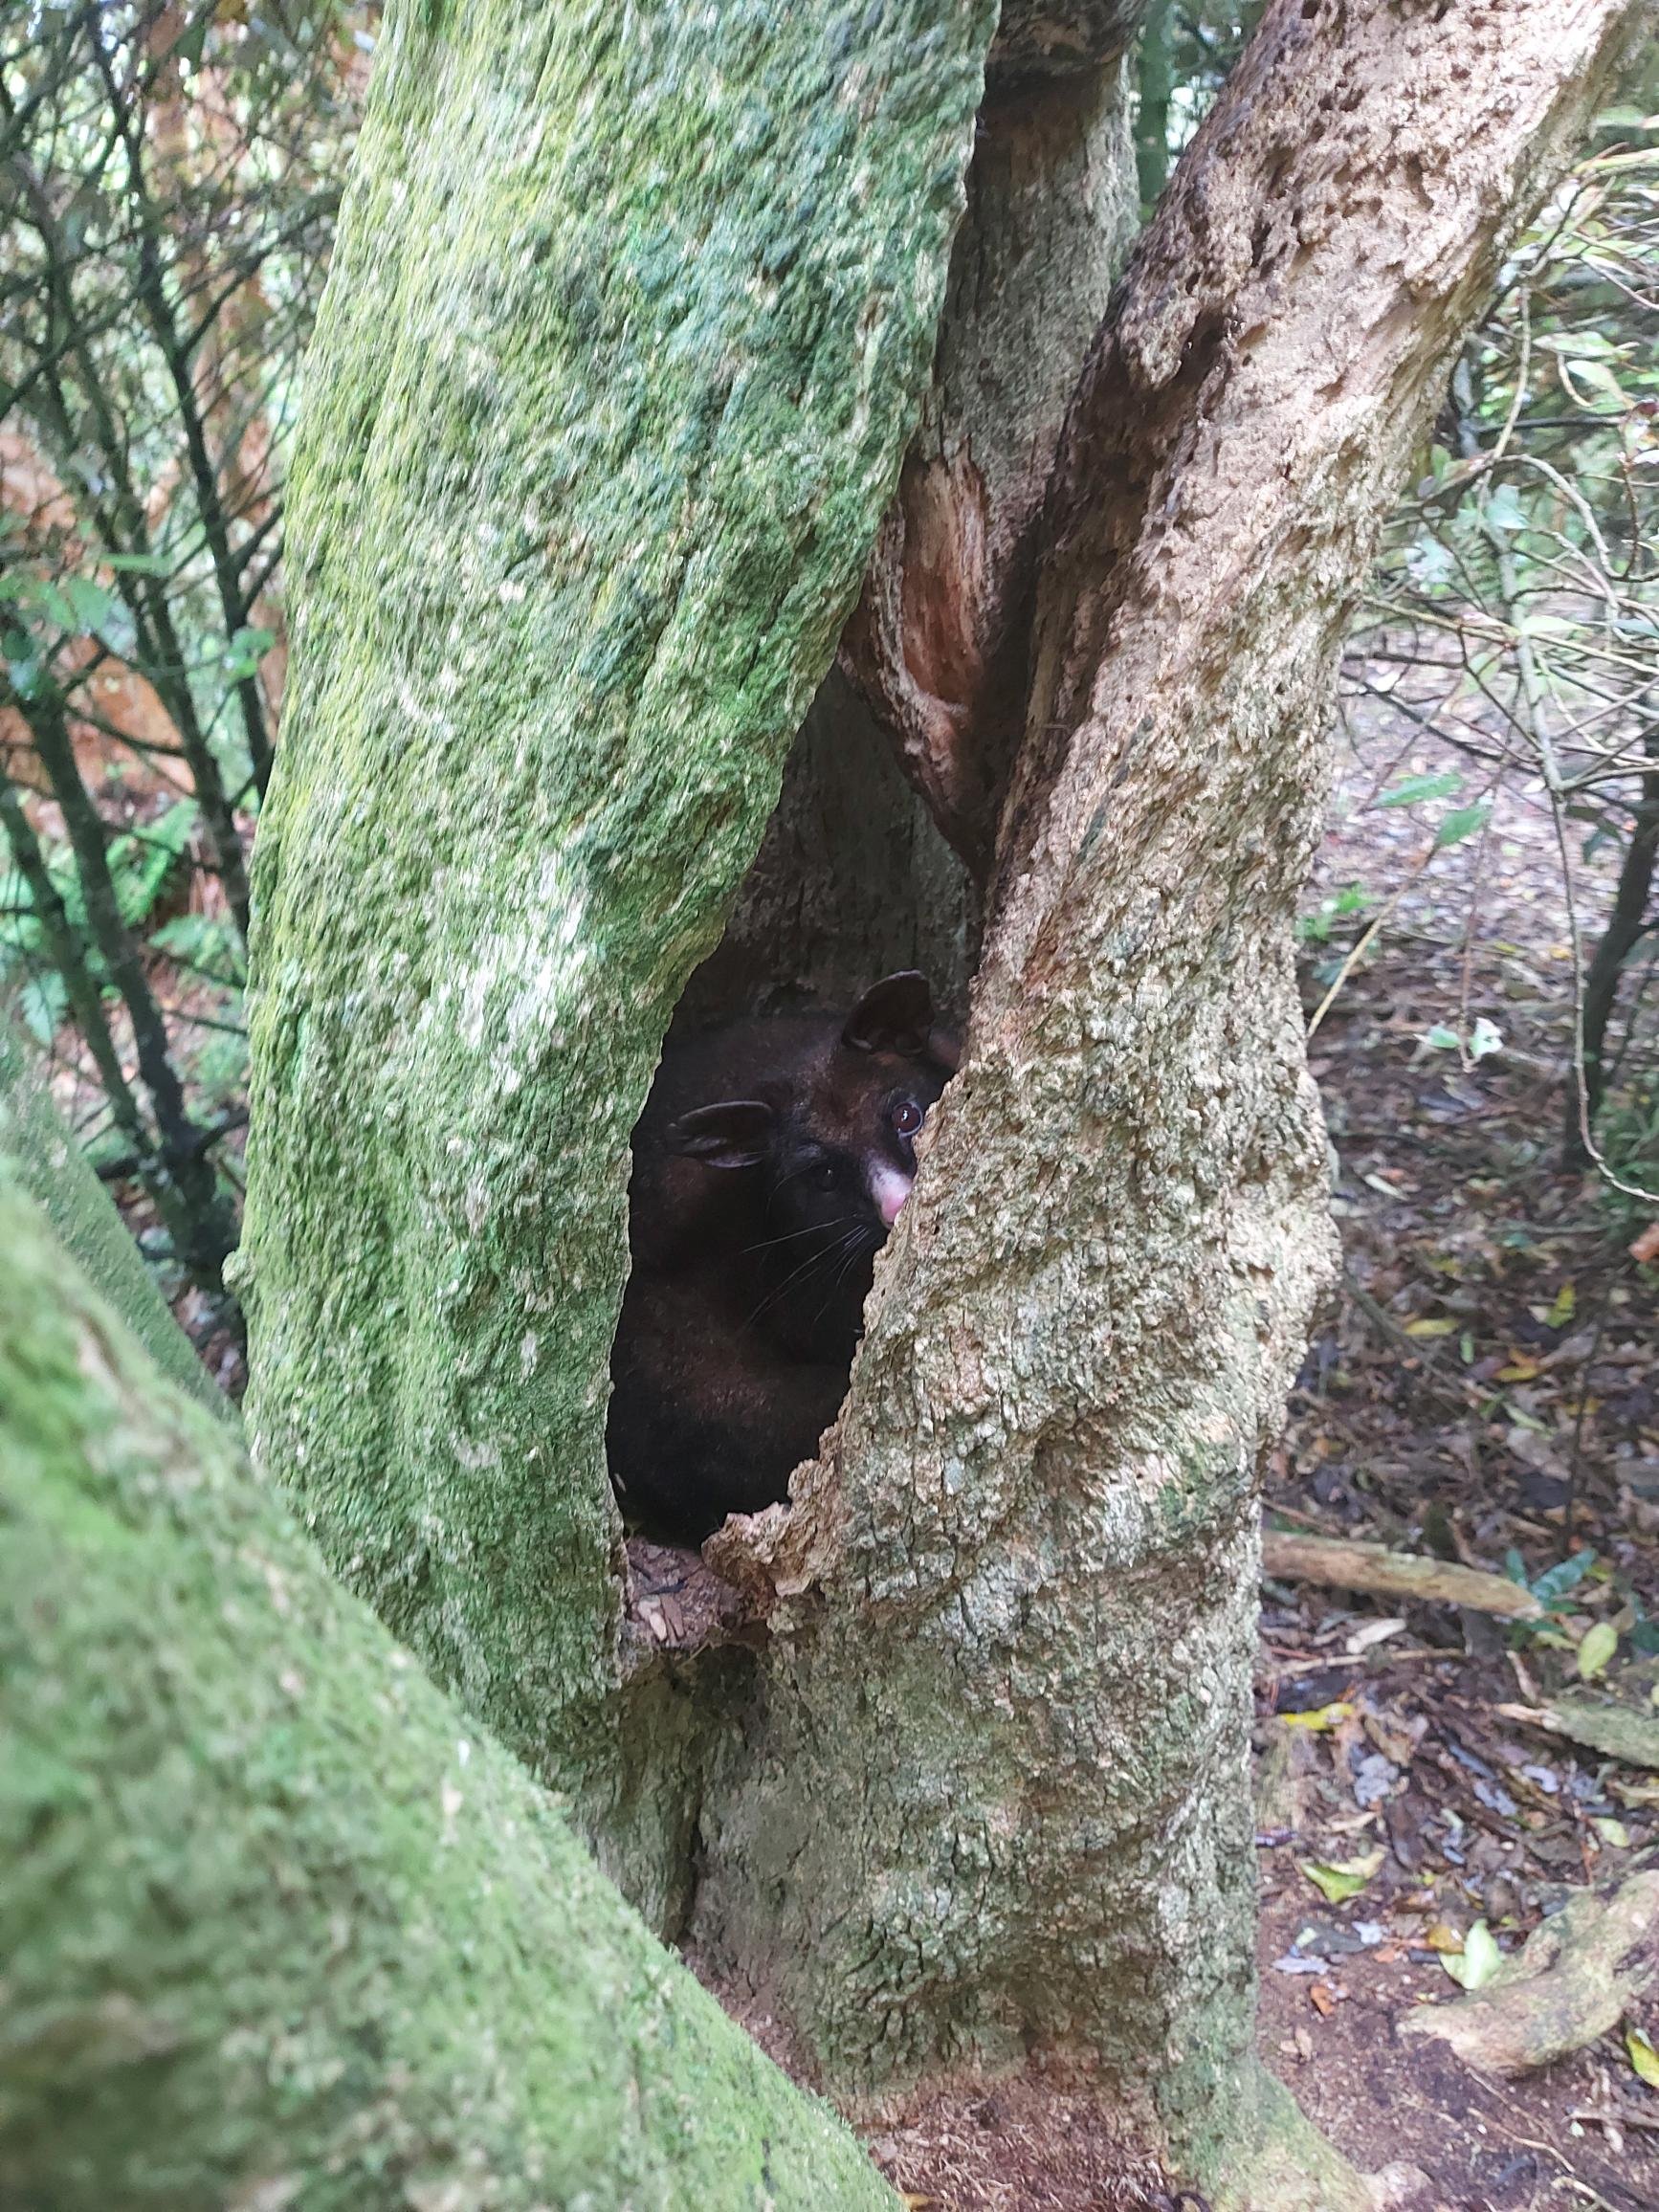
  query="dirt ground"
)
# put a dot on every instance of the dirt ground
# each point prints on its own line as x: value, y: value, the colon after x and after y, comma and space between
x: 1485, y: 1377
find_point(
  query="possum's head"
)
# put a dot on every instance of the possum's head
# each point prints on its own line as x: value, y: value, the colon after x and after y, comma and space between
x: 832, y: 1141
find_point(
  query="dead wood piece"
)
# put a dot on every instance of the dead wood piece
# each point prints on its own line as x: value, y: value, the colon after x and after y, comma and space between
x: 1369, y: 1567
x: 1574, y: 1979
x: 677, y: 1607
x: 1616, y: 1730
x: 782, y: 1553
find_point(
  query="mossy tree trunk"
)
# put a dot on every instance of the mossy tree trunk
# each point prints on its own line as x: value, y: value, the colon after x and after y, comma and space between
x: 632, y: 315
x: 628, y: 324
x: 281, y: 1926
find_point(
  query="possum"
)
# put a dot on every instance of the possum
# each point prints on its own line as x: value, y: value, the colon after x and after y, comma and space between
x: 771, y: 1159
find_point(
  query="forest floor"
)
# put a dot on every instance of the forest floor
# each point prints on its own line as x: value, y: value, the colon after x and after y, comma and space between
x: 1482, y: 1390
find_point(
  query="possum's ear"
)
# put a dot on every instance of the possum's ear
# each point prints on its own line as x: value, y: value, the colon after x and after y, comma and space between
x: 736, y: 1133
x: 892, y: 1016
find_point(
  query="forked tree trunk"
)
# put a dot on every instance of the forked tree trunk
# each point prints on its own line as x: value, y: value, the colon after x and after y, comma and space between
x: 991, y: 1801
x: 630, y: 320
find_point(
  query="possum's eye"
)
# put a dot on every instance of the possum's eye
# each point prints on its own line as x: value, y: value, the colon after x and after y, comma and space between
x: 906, y: 1117
x: 823, y: 1176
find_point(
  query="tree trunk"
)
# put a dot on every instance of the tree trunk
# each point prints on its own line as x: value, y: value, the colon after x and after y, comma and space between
x: 281, y: 1926
x: 1626, y: 926
x: 627, y: 325
x: 625, y: 334
x: 40, y: 1153
x: 1013, y: 1605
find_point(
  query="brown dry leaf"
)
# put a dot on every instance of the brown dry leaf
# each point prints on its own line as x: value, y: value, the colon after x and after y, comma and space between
x: 1645, y: 1247
x: 1319, y: 1997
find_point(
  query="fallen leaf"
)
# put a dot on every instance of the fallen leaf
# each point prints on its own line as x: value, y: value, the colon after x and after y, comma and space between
x: 1337, y: 1882
x: 1645, y: 1247
x: 1565, y: 1306
x: 1429, y: 1327
x: 1613, y: 1833
x: 1438, y: 1936
x: 1599, y: 1645
x: 1521, y: 1369
x: 1478, y: 1961
x: 1642, y: 2056
x: 1320, y: 1998
x: 1322, y: 1717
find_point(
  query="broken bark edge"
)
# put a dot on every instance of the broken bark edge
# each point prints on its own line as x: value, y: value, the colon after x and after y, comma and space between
x: 789, y: 1549
x: 1382, y: 1573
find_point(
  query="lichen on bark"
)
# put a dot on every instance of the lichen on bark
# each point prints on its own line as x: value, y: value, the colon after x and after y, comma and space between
x: 282, y: 1926
x: 629, y: 316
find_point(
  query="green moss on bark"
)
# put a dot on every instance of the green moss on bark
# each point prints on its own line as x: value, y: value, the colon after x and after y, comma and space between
x: 626, y: 326
x: 39, y: 1151
x: 281, y: 1927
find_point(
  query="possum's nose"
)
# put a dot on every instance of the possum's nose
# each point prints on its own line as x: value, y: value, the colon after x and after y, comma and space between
x: 890, y: 1188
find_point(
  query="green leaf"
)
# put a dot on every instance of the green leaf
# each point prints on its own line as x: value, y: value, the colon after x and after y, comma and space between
x: 1504, y: 509
x: 1479, y: 1960
x: 1555, y: 1582
x: 1345, y: 1878
x: 1484, y: 1038
x: 1461, y: 823
x: 1416, y: 789
x: 42, y: 1005
x: 206, y: 943
x: 1596, y: 1649
x: 89, y: 602
x: 1613, y: 1833
x: 52, y: 604
x: 245, y: 651
x: 1599, y: 377
x: 1642, y: 2056
x: 141, y: 564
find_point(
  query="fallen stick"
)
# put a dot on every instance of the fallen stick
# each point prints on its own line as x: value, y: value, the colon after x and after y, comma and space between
x: 1382, y: 1573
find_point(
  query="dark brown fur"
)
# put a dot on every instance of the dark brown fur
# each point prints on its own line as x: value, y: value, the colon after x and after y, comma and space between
x: 754, y: 1217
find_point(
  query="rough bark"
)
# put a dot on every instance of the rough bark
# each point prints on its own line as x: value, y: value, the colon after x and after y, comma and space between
x: 939, y: 640
x: 852, y: 881
x: 1014, y: 1603
x: 628, y: 322
x: 281, y: 1927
